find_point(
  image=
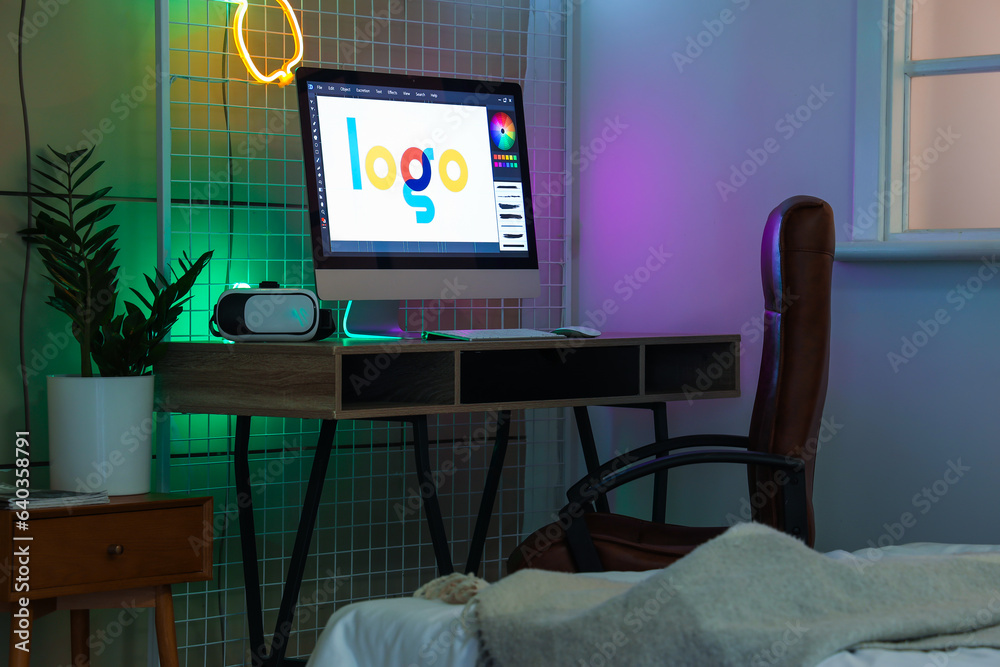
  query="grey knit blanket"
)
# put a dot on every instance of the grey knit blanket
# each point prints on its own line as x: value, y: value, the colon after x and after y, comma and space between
x: 750, y: 597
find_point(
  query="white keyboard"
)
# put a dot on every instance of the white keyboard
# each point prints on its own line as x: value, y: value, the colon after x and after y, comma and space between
x: 489, y: 334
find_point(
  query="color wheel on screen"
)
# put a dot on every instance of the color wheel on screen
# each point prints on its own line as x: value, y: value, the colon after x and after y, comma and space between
x: 502, y: 130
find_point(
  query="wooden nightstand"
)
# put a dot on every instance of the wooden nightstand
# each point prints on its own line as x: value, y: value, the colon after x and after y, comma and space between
x: 120, y: 555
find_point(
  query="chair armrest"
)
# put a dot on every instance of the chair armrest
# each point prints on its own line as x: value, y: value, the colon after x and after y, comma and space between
x: 586, y: 490
x: 661, y: 447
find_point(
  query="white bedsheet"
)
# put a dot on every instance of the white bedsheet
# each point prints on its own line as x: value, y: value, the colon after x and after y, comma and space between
x: 407, y: 632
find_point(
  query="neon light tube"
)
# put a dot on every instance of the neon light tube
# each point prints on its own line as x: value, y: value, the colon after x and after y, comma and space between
x: 281, y: 76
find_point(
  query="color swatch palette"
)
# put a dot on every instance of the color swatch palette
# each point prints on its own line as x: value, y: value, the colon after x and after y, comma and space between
x: 501, y: 160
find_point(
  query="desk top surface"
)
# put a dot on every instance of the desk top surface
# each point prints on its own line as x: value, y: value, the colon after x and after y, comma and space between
x: 339, y: 345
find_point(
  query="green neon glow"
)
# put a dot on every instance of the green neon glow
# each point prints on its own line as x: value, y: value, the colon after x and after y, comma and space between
x: 348, y: 334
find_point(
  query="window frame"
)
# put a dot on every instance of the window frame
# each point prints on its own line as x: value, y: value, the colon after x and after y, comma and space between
x: 876, y: 230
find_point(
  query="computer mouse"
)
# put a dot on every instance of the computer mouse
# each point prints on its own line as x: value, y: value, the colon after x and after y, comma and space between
x: 577, y: 332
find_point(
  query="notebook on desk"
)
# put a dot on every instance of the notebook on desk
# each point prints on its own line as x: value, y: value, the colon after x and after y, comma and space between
x: 488, y: 334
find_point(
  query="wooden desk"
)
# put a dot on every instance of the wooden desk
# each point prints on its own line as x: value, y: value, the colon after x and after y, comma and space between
x: 123, y: 554
x: 407, y: 380
x: 352, y: 379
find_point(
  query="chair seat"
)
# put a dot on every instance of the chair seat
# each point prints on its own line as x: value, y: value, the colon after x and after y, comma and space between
x: 623, y: 543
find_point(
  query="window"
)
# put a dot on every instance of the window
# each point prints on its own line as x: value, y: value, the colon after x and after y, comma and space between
x: 926, y: 137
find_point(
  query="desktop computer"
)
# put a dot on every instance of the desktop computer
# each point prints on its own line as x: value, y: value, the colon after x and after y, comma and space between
x: 418, y: 188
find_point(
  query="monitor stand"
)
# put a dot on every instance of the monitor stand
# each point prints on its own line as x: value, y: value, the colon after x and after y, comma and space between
x: 374, y: 319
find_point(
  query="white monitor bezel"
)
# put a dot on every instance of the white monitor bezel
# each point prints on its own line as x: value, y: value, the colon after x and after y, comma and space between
x: 379, y: 277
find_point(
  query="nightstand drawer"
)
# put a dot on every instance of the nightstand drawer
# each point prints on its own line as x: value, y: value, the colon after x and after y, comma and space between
x: 85, y: 553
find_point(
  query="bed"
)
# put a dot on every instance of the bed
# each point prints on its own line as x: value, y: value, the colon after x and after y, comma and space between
x: 411, y: 632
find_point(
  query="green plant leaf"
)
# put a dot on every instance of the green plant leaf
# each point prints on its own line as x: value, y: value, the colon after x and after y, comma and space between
x: 71, y: 158
x: 91, y: 198
x: 143, y: 299
x: 102, y: 262
x: 87, y: 175
x: 45, y: 191
x: 80, y: 262
x: 50, y: 207
x: 53, y: 164
x: 53, y: 228
x: 133, y: 309
x: 101, y: 237
x: 95, y: 216
x: 62, y: 186
x: 63, y: 274
x: 161, y: 279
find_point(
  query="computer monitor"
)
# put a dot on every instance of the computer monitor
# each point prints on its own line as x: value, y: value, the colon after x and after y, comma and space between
x: 418, y: 189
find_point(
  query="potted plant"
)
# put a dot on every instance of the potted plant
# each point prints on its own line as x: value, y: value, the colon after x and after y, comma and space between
x: 100, y: 426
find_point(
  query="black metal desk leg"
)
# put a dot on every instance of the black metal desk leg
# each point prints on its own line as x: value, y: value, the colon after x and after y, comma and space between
x: 489, y: 493
x: 248, y: 544
x: 589, y: 447
x: 248, y: 535
x: 307, y: 522
x: 428, y: 493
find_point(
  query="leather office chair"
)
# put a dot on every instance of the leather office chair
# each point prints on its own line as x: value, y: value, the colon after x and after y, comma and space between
x: 779, y: 451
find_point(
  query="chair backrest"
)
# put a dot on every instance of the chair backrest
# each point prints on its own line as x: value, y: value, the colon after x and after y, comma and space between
x: 796, y: 272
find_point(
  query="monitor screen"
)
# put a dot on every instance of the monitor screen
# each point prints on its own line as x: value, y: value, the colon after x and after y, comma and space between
x: 418, y: 186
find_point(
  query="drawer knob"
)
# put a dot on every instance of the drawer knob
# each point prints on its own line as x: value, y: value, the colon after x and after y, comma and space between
x: 116, y: 550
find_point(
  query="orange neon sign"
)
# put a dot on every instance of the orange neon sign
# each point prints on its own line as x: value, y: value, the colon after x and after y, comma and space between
x: 282, y: 76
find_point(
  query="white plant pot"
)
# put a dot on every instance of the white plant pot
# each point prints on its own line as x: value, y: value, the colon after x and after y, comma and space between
x: 101, y: 433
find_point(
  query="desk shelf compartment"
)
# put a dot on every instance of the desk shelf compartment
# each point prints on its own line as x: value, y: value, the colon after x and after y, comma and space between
x: 552, y: 374
x: 698, y: 370
x: 407, y: 380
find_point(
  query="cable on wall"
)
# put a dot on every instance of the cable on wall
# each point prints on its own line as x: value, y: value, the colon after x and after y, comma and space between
x: 27, y: 246
x: 224, y: 85
x: 223, y: 562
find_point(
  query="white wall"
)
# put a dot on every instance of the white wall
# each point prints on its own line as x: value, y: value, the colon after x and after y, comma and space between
x: 677, y: 129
